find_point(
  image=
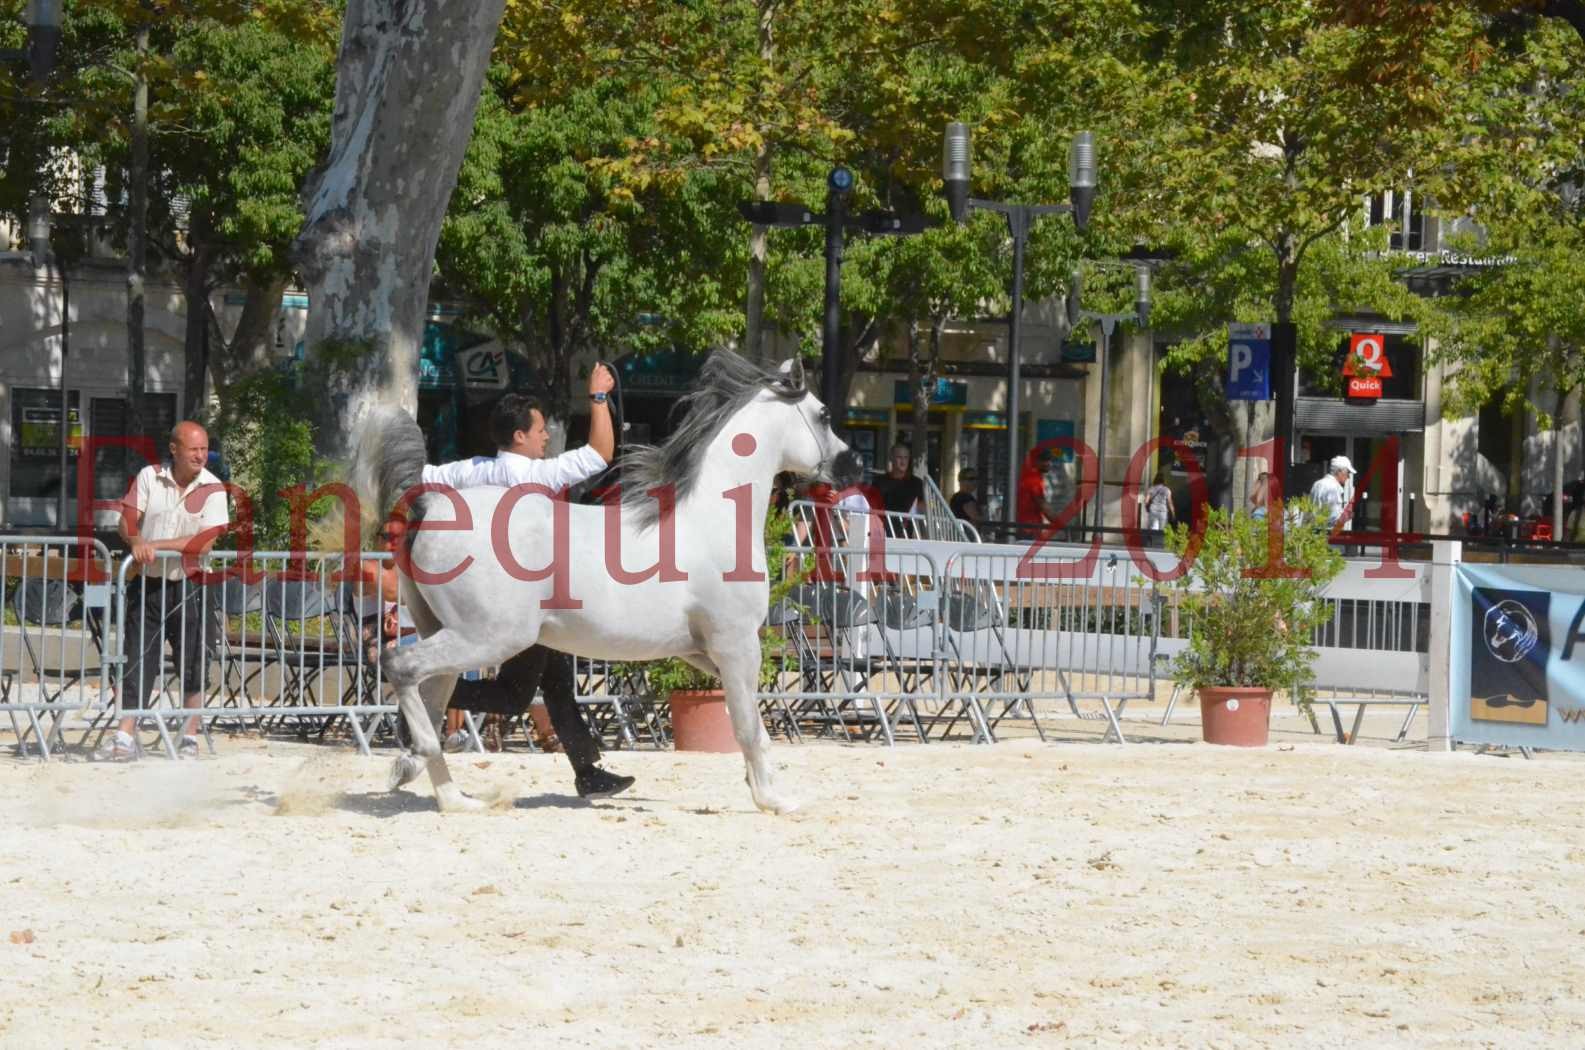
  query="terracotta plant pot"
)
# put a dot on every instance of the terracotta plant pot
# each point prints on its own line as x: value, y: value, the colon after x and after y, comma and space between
x: 699, y: 722
x: 1236, y: 715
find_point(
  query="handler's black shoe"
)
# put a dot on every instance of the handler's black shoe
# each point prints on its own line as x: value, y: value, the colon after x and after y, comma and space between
x: 595, y: 782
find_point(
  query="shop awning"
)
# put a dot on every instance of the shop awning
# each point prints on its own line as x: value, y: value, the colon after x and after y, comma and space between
x: 664, y: 373
x: 1327, y: 415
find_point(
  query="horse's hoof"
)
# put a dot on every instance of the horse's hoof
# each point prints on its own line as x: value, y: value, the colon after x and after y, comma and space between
x: 777, y: 806
x: 454, y: 801
x: 404, y: 768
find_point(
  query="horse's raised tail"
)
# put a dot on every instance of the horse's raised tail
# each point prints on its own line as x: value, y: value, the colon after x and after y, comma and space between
x: 388, y: 456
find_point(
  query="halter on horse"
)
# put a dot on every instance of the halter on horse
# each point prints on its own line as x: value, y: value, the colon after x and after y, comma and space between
x: 626, y: 581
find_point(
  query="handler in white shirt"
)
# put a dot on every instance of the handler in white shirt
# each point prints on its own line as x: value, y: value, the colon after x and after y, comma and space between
x: 518, y: 428
x: 1333, y: 492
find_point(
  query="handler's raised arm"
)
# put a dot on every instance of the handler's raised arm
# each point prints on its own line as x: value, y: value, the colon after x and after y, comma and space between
x: 602, y: 434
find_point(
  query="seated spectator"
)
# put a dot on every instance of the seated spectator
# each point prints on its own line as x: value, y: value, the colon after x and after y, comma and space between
x: 965, y: 503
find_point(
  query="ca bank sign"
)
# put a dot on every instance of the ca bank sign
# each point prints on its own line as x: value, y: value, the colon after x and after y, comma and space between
x: 484, y: 367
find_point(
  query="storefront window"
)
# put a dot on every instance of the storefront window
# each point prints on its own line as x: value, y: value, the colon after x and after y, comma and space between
x: 865, y: 443
x: 35, y: 449
x: 116, y: 465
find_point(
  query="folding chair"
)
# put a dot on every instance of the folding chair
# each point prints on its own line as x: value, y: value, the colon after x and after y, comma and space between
x: 243, y: 647
x: 326, y: 639
x: 618, y: 703
x: 44, y: 608
x: 832, y: 647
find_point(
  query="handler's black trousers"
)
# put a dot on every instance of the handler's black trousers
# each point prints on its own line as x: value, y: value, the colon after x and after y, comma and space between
x: 512, y: 690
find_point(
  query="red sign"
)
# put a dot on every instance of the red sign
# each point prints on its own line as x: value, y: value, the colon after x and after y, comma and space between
x: 1366, y: 364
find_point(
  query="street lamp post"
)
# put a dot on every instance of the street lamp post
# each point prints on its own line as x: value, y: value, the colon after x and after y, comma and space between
x: 956, y: 164
x: 1108, y: 322
x: 44, y: 36
x: 39, y: 243
x: 837, y: 221
x: 838, y: 184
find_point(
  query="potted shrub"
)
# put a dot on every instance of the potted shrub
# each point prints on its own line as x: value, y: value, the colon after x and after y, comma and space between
x: 1249, y: 632
x: 699, y: 718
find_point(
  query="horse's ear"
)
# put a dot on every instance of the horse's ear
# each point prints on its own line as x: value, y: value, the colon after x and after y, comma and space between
x: 792, y: 371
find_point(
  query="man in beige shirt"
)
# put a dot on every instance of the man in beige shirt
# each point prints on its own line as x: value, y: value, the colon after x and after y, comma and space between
x: 171, y: 509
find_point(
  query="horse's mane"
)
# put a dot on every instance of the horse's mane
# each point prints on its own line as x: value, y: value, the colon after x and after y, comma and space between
x: 726, y: 383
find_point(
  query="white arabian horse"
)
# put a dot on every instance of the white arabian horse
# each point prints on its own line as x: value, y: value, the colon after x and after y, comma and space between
x: 744, y: 424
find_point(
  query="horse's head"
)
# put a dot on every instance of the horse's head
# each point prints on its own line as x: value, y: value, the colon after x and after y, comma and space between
x: 814, y: 449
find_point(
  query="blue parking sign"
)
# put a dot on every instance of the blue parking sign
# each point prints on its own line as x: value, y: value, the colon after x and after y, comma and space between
x: 1249, y: 362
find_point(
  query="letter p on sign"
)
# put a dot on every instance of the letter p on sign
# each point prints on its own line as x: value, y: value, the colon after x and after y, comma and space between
x: 1243, y: 355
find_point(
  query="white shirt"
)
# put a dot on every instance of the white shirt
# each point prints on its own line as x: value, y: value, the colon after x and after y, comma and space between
x: 507, y: 469
x: 1330, y: 495
x: 166, y: 513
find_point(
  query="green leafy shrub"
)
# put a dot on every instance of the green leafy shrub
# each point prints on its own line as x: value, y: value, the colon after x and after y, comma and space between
x: 1247, y: 629
x: 267, y: 442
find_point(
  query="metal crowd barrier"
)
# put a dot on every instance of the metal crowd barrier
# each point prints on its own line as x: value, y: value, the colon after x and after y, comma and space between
x: 1372, y: 649
x: 56, y: 597
x: 859, y: 650
x: 878, y: 645
x: 1018, y: 631
x: 823, y: 525
x: 289, y: 642
x: 619, y: 705
x: 282, y: 640
x: 917, y: 640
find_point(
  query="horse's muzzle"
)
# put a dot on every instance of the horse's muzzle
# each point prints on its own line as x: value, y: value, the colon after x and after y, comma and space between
x: 846, y: 469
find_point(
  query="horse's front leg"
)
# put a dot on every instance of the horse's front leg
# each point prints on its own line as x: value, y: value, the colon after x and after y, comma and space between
x: 738, y: 662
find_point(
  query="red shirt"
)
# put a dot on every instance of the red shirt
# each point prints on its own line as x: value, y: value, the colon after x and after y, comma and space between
x: 1031, y: 493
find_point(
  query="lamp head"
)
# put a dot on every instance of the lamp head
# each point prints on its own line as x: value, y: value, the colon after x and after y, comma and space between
x: 1081, y: 177
x: 1075, y: 295
x: 1142, y: 295
x: 39, y: 225
x: 955, y: 167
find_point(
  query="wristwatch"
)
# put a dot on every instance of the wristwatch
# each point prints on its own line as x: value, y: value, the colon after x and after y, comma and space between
x: 598, y: 397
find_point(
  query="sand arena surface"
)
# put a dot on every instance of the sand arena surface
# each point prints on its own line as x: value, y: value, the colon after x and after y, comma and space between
x: 940, y: 896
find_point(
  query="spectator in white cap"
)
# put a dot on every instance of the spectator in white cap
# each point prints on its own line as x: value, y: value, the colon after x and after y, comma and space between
x: 1332, y: 492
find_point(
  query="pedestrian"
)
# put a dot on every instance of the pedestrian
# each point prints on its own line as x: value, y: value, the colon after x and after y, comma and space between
x: 171, y: 508
x: 1034, y: 507
x: 1258, y: 495
x: 1573, y: 504
x: 1159, y: 508
x: 517, y: 425
x: 1332, y: 492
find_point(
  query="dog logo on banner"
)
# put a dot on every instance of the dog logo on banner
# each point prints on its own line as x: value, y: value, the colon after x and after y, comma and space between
x: 1508, y: 656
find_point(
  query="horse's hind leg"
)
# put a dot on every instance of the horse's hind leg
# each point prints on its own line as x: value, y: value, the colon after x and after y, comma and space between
x: 441, y: 655
x: 738, y: 663
x: 436, y: 694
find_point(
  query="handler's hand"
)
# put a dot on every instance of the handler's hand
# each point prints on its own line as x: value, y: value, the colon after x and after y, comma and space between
x: 142, y: 552
x: 601, y: 381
